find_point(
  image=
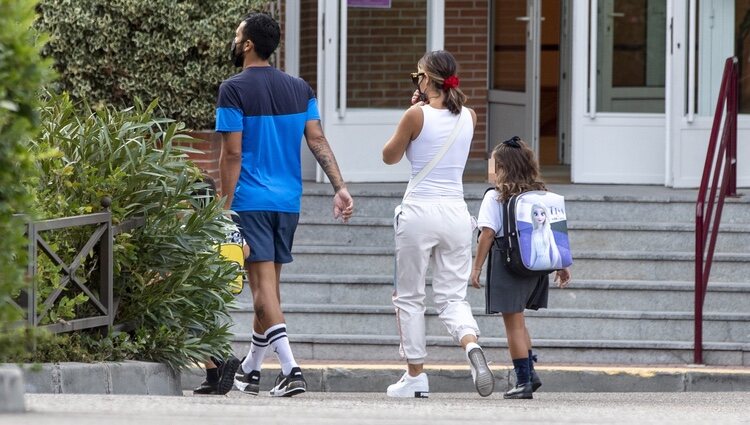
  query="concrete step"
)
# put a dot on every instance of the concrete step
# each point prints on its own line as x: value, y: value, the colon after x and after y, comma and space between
x: 592, y: 236
x: 580, y: 294
x: 583, y: 202
x: 654, y: 236
x: 333, y: 347
x: 588, y: 265
x: 357, y: 376
x: 546, y: 323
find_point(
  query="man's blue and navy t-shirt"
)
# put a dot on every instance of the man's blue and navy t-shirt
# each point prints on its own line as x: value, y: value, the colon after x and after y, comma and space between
x: 270, y: 108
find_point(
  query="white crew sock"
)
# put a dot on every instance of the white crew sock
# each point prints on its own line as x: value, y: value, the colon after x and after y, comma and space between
x: 279, y: 341
x: 254, y: 359
x: 472, y: 345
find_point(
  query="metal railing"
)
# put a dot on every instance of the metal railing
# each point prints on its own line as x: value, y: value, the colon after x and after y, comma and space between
x: 101, y: 235
x: 101, y: 241
x: 721, y: 163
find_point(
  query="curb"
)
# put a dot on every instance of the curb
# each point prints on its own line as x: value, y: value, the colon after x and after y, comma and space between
x: 129, y: 377
x: 457, y: 378
x: 11, y: 389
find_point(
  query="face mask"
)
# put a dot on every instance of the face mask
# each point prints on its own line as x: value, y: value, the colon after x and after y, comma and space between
x: 238, y: 59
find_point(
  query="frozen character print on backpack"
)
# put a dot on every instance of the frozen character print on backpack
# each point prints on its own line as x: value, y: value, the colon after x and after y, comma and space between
x: 548, y: 247
x: 544, y: 253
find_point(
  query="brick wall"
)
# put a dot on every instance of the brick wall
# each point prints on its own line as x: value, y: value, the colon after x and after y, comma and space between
x: 308, y: 61
x: 210, y: 144
x: 467, y: 37
x: 384, y: 46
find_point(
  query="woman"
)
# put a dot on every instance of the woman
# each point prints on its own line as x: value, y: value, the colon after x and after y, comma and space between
x: 434, y: 222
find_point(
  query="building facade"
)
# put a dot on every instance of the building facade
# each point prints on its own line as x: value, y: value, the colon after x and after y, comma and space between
x: 615, y: 91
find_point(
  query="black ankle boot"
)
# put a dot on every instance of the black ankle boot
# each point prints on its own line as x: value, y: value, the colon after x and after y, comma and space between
x: 521, y: 391
x: 535, y: 381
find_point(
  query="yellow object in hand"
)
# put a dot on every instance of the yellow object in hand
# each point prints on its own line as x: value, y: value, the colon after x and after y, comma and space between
x: 233, y: 252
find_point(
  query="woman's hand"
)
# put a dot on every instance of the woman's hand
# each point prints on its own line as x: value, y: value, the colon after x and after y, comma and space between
x: 416, y: 100
x: 562, y: 277
x: 475, y: 278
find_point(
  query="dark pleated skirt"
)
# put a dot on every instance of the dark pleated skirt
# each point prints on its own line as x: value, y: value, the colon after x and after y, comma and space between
x: 510, y: 293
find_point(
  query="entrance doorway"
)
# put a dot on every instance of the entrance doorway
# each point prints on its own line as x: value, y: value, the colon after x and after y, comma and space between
x: 529, y: 93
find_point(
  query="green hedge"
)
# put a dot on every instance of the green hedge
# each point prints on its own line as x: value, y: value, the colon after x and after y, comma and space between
x: 22, y: 73
x: 110, y: 52
x: 171, y: 283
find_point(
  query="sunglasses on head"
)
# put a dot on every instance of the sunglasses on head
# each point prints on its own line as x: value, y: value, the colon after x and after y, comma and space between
x: 415, y: 77
x: 513, y: 142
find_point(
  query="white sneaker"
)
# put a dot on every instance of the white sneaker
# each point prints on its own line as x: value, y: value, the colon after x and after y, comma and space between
x: 484, y: 380
x: 410, y: 386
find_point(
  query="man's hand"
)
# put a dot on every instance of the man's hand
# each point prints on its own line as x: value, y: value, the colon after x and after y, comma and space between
x: 562, y: 277
x: 343, y: 205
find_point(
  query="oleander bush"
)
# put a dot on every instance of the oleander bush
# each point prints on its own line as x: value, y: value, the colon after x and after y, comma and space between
x: 110, y: 52
x: 170, y: 283
x: 22, y: 73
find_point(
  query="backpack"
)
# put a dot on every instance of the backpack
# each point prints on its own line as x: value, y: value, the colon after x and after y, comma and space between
x: 535, y: 234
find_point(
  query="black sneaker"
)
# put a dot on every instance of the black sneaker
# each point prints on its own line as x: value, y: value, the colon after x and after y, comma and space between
x: 289, y: 385
x: 248, y: 383
x: 206, y: 388
x: 522, y: 391
x: 226, y: 374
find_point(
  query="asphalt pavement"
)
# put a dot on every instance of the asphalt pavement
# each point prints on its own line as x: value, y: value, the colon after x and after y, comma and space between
x: 375, y: 408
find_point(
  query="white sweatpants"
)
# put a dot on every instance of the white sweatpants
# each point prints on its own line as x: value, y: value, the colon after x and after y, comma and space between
x: 434, y: 232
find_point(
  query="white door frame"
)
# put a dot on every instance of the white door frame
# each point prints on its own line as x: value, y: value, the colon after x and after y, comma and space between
x: 691, y: 119
x: 566, y: 71
x: 609, y: 147
x: 504, y: 106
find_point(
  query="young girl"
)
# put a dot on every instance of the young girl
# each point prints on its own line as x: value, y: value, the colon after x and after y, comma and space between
x: 517, y: 171
x: 544, y: 252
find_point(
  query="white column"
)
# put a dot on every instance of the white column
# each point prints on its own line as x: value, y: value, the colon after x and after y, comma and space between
x: 435, y: 25
x: 292, y: 37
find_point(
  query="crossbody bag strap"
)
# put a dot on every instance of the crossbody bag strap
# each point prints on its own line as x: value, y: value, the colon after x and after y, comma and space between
x: 427, y: 168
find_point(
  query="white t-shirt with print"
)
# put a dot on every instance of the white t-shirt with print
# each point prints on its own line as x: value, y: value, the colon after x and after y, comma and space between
x: 491, y: 213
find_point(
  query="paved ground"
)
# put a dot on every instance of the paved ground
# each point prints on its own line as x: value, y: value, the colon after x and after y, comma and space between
x: 369, y: 408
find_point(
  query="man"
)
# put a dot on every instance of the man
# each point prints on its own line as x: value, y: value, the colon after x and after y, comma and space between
x: 262, y: 114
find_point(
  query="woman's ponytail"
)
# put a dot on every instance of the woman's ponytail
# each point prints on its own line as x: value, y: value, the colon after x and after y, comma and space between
x: 441, y: 66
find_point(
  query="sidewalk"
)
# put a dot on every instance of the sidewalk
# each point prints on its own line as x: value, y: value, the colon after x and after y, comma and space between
x: 377, y: 409
x: 368, y: 377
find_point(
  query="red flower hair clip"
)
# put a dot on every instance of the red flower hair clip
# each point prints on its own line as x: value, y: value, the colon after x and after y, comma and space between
x: 450, y: 82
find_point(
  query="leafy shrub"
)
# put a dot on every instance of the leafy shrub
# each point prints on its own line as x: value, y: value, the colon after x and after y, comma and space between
x: 171, y: 284
x: 22, y: 72
x: 110, y: 52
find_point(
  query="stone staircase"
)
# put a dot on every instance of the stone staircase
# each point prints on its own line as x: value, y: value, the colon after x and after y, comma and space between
x: 630, y: 302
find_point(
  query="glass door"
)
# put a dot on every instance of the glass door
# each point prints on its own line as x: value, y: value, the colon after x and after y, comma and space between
x: 366, y: 53
x: 631, y: 55
x: 514, y: 84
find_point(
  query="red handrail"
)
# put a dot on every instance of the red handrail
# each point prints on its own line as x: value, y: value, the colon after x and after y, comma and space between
x: 721, y: 161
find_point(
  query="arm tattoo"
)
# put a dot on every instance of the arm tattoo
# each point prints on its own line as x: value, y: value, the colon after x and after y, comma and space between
x: 322, y: 152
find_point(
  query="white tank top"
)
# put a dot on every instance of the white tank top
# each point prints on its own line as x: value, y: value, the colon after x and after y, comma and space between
x: 446, y: 179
